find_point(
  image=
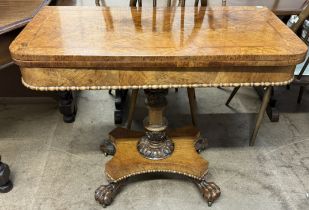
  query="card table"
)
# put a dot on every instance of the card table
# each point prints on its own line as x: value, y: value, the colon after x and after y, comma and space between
x: 88, y: 48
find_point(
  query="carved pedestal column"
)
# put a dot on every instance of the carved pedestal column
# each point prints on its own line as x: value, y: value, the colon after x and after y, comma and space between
x: 155, y: 151
x: 155, y: 144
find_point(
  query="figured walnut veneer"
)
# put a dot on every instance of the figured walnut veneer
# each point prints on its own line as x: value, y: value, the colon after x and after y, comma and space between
x: 129, y: 162
x: 80, y: 48
x: 44, y: 79
x: 83, y: 37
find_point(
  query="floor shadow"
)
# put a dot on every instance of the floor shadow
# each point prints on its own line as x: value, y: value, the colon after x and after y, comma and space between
x: 287, y: 100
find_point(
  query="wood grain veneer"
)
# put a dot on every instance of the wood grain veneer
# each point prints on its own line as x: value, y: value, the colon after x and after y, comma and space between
x: 93, y: 79
x: 128, y: 162
x: 82, y: 37
x: 79, y: 48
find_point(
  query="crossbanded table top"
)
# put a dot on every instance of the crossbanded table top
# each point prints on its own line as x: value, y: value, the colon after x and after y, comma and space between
x: 96, y: 37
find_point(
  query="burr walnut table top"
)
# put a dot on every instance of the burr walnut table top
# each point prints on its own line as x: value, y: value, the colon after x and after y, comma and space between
x: 85, y: 37
x: 135, y: 48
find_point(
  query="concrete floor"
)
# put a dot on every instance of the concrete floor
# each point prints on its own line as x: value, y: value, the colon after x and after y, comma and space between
x: 58, y: 166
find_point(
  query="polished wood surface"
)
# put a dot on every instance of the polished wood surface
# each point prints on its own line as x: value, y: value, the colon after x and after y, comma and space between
x: 17, y: 13
x: 177, y: 37
x: 128, y: 162
x: 93, y: 79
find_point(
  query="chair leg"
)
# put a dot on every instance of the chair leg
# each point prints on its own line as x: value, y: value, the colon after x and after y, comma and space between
x: 133, y: 3
x: 169, y: 3
x: 303, y: 69
x: 182, y: 3
x: 192, y: 101
x: 139, y: 3
x: 194, y: 95
x: 300, y: 94
x: 132, y: 107
x: 204, y: 3
x: 232, y: 95
x: 260, y: 116
x: 299, y: 76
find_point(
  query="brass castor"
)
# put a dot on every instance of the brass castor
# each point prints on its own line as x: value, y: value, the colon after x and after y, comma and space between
x: 200, y: 144
x: 107, y: 147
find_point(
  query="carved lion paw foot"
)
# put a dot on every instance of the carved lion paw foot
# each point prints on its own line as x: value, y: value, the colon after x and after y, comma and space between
x: 107, y: 147
x: 105, y: 194
x: 209, y: 190
x: 201, y: 144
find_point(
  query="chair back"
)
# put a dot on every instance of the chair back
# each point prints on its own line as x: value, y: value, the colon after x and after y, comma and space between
x: 300, y: 19
x: 182, y: 3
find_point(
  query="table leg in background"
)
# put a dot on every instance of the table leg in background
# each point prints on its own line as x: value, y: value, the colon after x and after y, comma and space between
x: 260, y: 116
x: 271, y: 109
x: 67, y: 105
x: 5, y: 182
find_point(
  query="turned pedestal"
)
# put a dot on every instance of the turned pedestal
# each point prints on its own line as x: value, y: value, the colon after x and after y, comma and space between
x: 157, y: 150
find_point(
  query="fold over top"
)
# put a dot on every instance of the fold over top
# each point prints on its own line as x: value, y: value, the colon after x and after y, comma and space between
x: 96, y: 37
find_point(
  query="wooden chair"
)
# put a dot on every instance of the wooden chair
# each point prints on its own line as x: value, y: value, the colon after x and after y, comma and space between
x: 298, y: 80
x: 190, y: 91
x: 302, y: 17
x: 294, y: 27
